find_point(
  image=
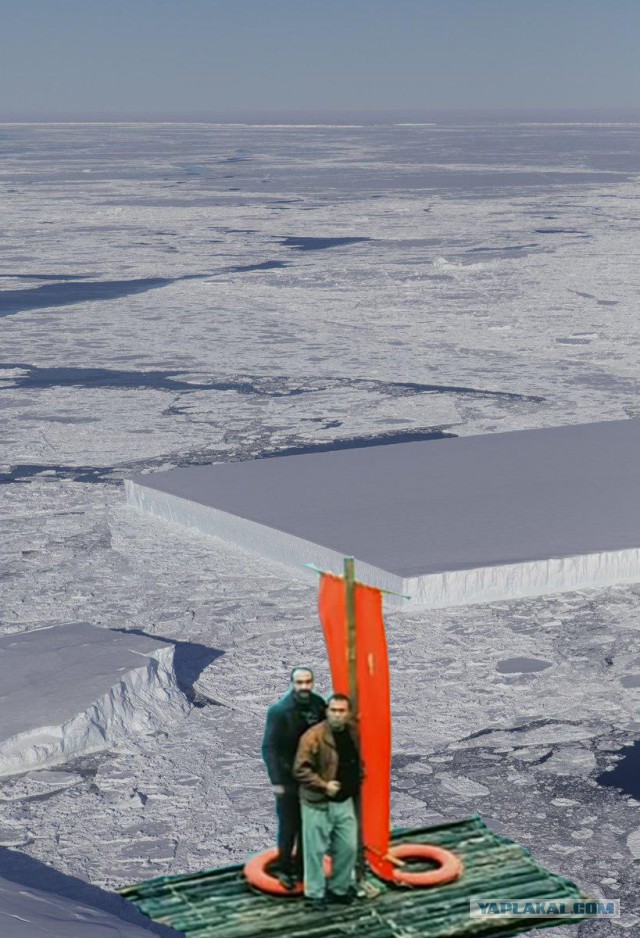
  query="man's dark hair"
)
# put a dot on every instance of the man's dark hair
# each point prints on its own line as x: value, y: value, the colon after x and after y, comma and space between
x: 339, y: 697
x: 301, y: 667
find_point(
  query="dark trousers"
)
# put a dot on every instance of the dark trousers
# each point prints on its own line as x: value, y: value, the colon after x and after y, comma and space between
x: 289, y: 832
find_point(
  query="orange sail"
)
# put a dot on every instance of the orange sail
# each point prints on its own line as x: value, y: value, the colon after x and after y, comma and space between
x: 374, y: 703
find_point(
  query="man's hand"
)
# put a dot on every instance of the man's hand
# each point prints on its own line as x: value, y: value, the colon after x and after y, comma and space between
x: 278, y: 790
x: 333, y: 788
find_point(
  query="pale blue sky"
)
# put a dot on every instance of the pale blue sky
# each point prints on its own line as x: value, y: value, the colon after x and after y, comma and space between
x: 258, y: 56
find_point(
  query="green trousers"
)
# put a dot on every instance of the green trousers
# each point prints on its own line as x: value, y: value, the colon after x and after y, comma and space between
x: 331, y: 828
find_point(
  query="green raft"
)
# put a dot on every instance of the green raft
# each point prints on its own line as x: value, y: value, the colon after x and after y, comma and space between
x: 220, y: 904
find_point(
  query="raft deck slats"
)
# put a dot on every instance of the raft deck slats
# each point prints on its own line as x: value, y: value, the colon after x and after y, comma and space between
x: 218, y: 903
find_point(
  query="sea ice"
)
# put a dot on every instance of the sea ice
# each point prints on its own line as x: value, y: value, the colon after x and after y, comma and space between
x: 26, y: 912
x: 633, y: 843
x: 73, y: 689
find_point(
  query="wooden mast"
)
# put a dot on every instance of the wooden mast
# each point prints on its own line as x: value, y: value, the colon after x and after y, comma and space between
x: 350, y: 591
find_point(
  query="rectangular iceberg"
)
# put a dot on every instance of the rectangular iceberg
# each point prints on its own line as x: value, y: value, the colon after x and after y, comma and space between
x: 448, y: 521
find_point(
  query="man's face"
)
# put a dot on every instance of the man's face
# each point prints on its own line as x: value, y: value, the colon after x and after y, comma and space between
x: 338, y: 713
x: 302, y: 684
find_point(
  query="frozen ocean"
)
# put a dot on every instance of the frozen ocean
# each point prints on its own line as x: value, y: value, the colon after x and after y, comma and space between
x: 176, y: 294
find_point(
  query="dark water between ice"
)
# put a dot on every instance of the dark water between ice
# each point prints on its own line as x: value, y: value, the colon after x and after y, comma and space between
x: 522, y: 665
x: 68, y: 293
x: 626, y: 774
x: 276, y: 386
x: 24, y: 473
x: 67, y: 290
x: 405, y: 436
x: 264, y: 265
x: 46, y: 276
x: 116, y: 378
x: 318, y: 244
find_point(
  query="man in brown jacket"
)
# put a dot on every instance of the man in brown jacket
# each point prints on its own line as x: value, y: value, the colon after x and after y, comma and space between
x: 328, y: 767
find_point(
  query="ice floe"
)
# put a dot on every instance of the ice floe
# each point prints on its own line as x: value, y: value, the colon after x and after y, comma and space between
x: 74, y: 689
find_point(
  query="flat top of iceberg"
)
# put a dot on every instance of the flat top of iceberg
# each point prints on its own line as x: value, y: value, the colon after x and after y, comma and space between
x: 30, y: 913
x: 453, y: 504
x: 49, y: 675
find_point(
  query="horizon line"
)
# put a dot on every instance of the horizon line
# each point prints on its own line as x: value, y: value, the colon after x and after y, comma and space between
x: 310, y: 117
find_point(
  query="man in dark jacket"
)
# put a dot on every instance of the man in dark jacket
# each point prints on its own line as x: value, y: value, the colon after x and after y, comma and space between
x: 287, y: 720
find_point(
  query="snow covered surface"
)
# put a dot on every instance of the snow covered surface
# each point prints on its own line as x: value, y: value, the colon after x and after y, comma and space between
x: 26, y: 912
x: 498, y: 291
x: 479, y: 518
x: 70, y: 690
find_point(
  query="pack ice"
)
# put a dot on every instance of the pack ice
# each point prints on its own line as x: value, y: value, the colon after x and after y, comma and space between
x: 69, y: 690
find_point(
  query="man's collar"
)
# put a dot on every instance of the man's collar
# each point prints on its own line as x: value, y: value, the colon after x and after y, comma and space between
x: 329, y: 734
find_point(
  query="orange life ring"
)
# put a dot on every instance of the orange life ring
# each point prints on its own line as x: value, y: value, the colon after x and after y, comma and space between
x: 256, y: 871
x: 450, y: 866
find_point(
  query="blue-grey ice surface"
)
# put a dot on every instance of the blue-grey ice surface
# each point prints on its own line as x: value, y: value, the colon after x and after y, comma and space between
x: 489, y: 283
x: 31, y: 912
x: 492, y: 516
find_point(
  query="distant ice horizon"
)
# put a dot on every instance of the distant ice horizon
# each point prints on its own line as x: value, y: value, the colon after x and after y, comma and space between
x: 328, y: 116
